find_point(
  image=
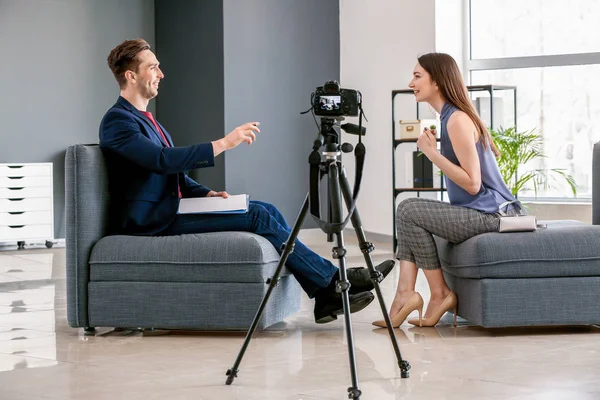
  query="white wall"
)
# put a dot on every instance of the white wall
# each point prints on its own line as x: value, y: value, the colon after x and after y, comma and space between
x: 452, y: 30
x: 379, y: 42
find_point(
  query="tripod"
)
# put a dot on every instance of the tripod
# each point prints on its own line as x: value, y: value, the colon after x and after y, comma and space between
x: 338, y: 187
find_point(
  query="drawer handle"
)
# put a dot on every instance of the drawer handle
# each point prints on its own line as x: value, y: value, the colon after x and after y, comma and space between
x: 22, y: 198
x: 16, y: 188
x: 16, y: 226
x: 15, y: 166
x: 16, y: 212
x: 15, y: 177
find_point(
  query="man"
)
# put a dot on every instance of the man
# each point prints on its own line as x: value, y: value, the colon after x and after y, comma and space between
x: 147, y: 179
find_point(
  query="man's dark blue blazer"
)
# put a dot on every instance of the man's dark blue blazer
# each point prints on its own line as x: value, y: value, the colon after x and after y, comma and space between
x: 143, y: 173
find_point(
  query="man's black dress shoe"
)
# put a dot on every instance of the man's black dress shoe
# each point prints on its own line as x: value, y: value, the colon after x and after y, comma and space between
x: 328, y: 304
x: 360, y: 279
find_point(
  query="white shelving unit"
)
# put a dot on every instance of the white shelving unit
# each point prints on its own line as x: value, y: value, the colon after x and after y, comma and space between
x: 26, y: 203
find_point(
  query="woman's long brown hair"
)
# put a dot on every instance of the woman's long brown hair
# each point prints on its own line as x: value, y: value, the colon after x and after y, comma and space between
x: 445, y: 73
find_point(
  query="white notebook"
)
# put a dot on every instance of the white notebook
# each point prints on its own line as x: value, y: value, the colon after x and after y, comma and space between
x: 237, y: 204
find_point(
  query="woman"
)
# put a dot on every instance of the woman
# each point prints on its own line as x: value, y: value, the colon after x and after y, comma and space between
x: 475, y: 189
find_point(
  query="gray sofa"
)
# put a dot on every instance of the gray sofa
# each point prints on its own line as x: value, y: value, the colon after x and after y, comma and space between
x: 547, y: 277
x: 210, y: 281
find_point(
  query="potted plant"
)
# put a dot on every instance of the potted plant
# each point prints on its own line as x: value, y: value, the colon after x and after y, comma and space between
x: 516, y: 150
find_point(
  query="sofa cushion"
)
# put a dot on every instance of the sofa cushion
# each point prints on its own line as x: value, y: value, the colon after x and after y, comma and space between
x: 564, y: 249
x: 203, y: 257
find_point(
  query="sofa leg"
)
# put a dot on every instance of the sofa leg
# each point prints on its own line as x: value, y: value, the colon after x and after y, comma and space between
x: 89, y: 331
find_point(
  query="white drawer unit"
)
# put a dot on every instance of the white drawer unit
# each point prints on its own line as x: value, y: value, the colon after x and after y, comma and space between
x: 15, y: 182
x: 26, y: 203
x: 20, y: 170
x: 27, y: 218
x: 22, y: 192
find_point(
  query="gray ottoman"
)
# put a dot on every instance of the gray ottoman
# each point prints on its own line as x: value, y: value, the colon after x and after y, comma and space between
x: 546, y: 277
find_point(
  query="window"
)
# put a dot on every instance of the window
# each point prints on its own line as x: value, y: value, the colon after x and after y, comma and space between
x: 551, y: 52
x: 518, y: 28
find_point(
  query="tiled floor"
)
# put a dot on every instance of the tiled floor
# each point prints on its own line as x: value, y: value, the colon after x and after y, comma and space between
x: 41, y: 357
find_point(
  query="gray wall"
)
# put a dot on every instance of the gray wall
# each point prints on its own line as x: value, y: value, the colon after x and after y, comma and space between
x: 55, y: 83
x: 276, y: 53
x: 189, y: 46
x: 228, y: 62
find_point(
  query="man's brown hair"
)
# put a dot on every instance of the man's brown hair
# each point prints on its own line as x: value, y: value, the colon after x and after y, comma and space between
x: 124, y: 57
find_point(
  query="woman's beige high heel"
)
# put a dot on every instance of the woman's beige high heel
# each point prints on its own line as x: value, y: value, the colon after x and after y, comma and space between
x: 415, y: 302
x: 449, y: 303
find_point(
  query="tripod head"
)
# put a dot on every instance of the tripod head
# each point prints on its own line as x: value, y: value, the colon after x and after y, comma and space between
x: 329, y: 131
x: 331, y: 139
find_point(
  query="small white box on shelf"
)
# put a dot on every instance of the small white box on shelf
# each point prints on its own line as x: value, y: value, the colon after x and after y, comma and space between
x: 411, y: 129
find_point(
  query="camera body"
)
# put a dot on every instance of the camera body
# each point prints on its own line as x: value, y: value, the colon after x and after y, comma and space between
x: 330, y: 100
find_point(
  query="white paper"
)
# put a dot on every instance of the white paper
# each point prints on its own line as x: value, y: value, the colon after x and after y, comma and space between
x: 236, y: 204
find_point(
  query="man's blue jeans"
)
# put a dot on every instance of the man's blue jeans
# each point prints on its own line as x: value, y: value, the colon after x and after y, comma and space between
x: 310, y: 270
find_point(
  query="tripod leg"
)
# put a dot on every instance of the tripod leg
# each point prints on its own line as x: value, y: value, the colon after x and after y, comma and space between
x: 339, y: 252
x: 376, y: 276
x: 287, y: 248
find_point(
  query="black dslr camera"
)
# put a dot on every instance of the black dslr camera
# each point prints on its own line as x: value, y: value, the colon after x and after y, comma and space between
x: 330, y: 100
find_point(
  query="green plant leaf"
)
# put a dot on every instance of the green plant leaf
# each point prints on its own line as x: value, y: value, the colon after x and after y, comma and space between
x: 516, y: 150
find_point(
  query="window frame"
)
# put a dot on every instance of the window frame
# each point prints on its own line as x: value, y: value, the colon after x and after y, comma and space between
x: 555, y: 60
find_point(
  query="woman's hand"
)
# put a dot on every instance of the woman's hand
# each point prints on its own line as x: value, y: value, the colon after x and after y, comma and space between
x: 427, y: 142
